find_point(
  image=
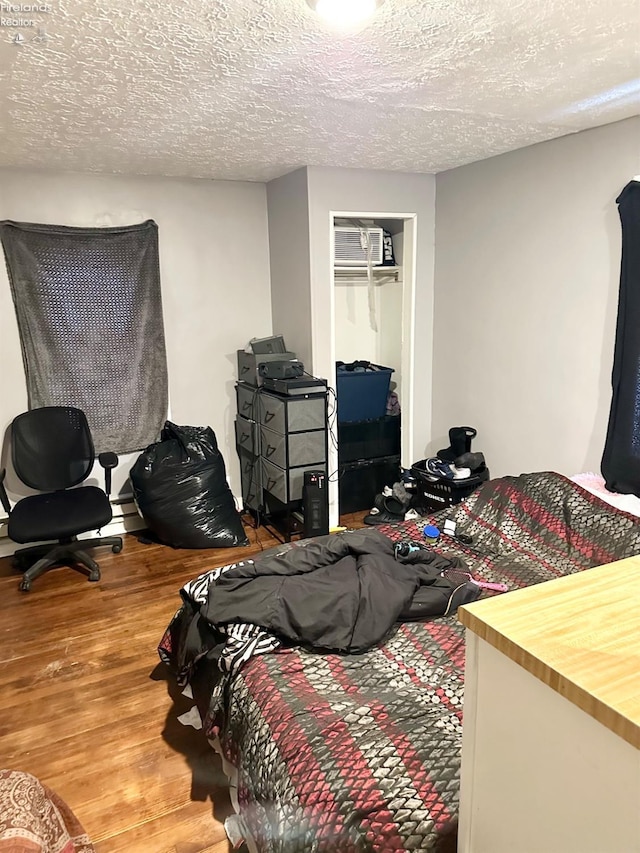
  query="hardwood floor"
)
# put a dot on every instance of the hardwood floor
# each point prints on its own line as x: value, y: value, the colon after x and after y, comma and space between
x: 86, y: 706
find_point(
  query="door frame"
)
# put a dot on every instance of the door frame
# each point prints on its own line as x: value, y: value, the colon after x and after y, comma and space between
x: 407, y: 382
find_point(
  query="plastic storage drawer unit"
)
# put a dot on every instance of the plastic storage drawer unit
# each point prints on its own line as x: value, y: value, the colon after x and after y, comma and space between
x: 361, y: 481
x: 369, y: 439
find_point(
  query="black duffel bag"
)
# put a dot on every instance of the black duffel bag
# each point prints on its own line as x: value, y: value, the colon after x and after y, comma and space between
x: 181, y: 490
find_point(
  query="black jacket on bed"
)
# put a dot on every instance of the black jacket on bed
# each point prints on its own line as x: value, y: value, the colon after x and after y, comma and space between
x: 341, y: 593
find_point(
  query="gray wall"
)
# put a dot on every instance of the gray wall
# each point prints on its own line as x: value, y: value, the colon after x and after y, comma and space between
x: 526, y: 288
x: 214, y: 264
x: 288, y: 209
x: 526, y: 284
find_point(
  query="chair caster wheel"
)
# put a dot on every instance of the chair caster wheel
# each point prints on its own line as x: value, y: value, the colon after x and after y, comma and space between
x: 25, y: 586
x: 116, y: 549
x: 94, y: 576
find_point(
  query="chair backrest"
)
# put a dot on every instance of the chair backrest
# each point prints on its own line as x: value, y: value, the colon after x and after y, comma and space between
x: 52, y: 448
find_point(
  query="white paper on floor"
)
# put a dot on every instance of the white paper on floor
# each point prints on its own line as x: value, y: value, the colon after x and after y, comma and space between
x: 191, y: 718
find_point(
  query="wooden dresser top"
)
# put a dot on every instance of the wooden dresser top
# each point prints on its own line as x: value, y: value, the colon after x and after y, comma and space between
x: 579, y: 634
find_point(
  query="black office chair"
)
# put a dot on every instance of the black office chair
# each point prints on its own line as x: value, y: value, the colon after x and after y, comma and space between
x: 52, y: 451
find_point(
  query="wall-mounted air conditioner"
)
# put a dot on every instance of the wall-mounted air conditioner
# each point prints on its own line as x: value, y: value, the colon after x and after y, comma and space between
x: 352, y: 246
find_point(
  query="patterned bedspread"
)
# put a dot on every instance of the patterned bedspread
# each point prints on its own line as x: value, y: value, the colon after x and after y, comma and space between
x: 362, y: 752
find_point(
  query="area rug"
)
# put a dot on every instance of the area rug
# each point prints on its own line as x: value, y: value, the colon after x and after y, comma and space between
x: 33, y: 819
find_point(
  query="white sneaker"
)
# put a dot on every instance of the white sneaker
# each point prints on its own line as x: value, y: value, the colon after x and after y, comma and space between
x: 460, y: 473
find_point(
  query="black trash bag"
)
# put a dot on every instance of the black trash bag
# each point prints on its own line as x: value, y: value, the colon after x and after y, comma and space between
x: 180, y: 487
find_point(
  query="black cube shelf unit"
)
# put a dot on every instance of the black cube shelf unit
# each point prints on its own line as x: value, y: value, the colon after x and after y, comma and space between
x: 368, y: 460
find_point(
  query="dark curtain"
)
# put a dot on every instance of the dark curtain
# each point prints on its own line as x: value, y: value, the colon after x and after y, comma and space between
x: 621, y: 458
x: 89, y: 313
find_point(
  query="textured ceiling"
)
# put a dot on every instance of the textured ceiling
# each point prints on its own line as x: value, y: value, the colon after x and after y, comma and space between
x: 254, y: 88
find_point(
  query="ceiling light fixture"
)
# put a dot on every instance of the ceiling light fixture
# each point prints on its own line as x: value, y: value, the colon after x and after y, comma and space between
x: 345, y: 14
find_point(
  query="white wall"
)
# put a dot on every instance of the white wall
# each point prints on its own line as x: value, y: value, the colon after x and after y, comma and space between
x: 355, y: 336
x: 288, y: 209
x: 395, y: 193
x: 214, y: 262
x: 527, y: 276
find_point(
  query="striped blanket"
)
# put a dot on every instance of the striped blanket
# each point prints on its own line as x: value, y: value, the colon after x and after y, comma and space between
x: 362, y: 752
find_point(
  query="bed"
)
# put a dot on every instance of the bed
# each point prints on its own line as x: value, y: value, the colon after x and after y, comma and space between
x: 362, y: 752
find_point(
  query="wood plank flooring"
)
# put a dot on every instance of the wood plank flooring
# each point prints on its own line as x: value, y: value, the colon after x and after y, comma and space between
x: 86, y: 706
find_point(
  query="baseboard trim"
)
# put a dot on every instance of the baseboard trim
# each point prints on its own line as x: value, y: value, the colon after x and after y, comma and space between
x: 126, y: 519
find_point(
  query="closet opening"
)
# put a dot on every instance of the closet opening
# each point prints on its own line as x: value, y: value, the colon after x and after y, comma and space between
x: 373, y: 295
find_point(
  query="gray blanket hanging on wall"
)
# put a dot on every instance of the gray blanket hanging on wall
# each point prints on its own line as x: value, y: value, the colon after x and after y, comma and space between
x: 89, y: 314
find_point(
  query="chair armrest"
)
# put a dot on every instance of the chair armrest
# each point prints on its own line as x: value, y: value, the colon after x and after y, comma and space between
x: 4, y: 498
x: 108, y: 461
